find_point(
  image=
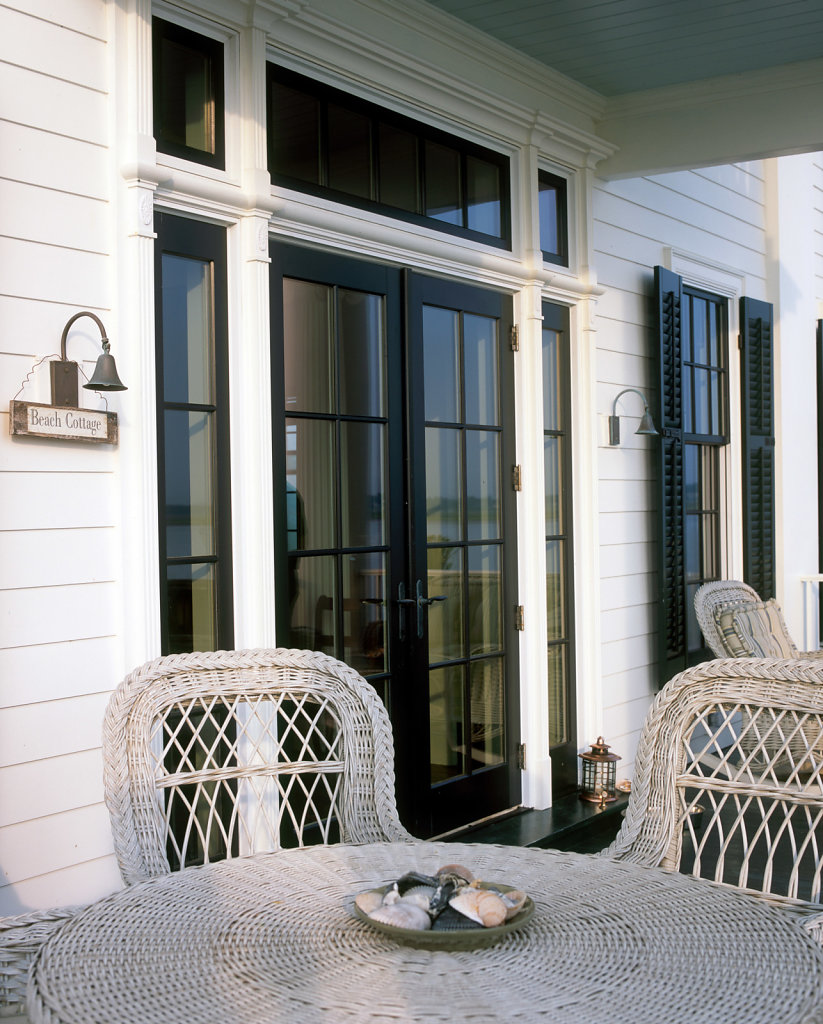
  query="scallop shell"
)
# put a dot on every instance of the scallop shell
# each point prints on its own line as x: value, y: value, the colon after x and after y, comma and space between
x: 487, y: 908
x: 403, y: 914
x: 420, y: 895
x: 369, y: 901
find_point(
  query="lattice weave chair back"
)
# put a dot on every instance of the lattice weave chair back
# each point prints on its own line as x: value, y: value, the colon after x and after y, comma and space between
x: 712, y: 597
x: 720, y: 791
x: 225, y: 754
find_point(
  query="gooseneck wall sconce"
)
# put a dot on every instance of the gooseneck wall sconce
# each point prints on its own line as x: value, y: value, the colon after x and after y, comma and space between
x: 646, y: 422
x: 64, y: 379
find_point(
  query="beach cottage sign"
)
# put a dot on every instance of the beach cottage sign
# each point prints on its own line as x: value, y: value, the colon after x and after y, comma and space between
x: 30, y: 419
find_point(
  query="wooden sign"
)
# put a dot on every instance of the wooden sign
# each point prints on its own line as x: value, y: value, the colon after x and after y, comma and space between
x: 29, y: 419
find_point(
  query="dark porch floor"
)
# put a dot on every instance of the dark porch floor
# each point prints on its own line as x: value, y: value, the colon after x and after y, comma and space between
x: 569, y: 824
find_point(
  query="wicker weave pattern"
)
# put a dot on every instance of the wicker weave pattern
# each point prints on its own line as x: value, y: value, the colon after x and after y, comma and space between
x: 272, y: 940
x: 20, y: 939
x: 724, y: 737
x: 231, y: 752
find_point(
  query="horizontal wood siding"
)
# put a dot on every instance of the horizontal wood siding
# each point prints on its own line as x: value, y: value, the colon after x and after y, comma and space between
x: 59, y: 517
x: 716, y: 213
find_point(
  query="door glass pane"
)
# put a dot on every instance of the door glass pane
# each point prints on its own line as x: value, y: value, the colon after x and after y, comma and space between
x: 483, y: 484
x: 443, y: 200
x: 480, y: 370
x: 189, y: 484
x: 399, y: 177
x: 555, y: 590
x: 310, y: 476
x: 552, y: 483
x: 349, y: 152
x: 485, y: 599
x: 445, y: 579
x: 444, y: 507
x: 446, y: 723
x: 192, y: 604
x: 487, y: 713
x: 552, y: 409
x: 362, y: 353
x: 295, y: 134
x: 312, y: 586
x: 701, y: 402
x: 187, y: 343
x: 558, y: 699
x: 308, y: 349
x: 364, y: 614
x: 362, y: 484
x: 441, y: 364
x: 483, y: 196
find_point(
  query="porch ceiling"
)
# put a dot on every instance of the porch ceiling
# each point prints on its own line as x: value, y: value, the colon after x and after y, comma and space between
x: 740, y: 78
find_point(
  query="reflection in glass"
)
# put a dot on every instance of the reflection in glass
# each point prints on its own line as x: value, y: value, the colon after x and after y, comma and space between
x: 364, y: 612
x: 558, y: 697
x: 548, y: 210
x: 308, y: 350
x: 295, y: 134
x: 551, y: 380
x: 553, y: 484
x: 186, y: 102
x: 313, y: 586
x: 362, y: 482
x: 189, y: 484
x: 362, y: 353
x: 487, y: 713
x: 483, y: 484
x: 700, y: 346
x: 485, y: 599
x: 192, y: 602
x: 441, y: 364
x: 555, y: 590
x: 443, y: 200
x: 398, y: 173
x: 446, y: 723
x: 445, y: 578
x: 483, y: 196
x: 444, y: 512
x: 349, y: 151
x: 310, y: 464
x: 480, y: 370
x: 187, y: 343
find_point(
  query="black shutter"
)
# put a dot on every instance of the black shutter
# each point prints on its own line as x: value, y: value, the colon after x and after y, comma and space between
x: 757, y: 400
x: 671, y: 563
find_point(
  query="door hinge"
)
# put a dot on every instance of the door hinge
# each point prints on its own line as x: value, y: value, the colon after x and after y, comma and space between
x: 519, y: 617
x: 514, y: 334
x: 517, y: 478
x: 521, y: 756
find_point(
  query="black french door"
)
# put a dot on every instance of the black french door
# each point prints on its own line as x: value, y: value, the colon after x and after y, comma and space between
x: 393, y: 524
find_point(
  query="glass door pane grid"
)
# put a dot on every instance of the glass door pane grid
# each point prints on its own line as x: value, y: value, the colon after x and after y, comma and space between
x: 705, y: 378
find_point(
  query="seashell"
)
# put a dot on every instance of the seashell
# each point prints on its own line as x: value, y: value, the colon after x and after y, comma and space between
x: 421, y: 895
x: 368, y: 901
x: 450, y: 870
x: 487, y: 908
x: 514, y: 900
x: 403, y: 914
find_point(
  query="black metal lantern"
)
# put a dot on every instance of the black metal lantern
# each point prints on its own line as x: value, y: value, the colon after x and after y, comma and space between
x: 599, y: 772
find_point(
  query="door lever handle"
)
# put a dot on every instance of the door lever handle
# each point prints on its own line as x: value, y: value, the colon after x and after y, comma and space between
x: 421, y: 603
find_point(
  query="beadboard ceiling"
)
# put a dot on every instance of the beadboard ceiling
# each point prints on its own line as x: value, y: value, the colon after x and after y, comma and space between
x: 621, y: 46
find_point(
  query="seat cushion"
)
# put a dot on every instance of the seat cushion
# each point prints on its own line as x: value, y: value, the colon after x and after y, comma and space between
x: 754, y: 629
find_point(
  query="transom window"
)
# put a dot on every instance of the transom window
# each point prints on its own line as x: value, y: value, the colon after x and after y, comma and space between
x: 328, y: 143
x: 553, y: 209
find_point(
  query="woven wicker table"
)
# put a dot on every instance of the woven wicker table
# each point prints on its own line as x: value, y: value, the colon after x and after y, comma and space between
x: 273, y: 939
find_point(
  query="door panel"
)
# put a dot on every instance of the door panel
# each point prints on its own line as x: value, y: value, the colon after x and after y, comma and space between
x: 389, y: 403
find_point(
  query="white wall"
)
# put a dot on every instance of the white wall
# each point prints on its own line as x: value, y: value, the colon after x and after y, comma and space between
x: 59, y: 535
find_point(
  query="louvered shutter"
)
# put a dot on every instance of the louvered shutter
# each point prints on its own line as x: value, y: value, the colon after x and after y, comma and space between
x: 671, y: 562
x: 757, y: 400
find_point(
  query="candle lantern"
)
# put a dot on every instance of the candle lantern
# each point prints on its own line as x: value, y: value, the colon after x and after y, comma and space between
x: 599, y: 772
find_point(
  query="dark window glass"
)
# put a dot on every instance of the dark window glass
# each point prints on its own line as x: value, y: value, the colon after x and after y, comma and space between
x: 323, y: 141
x: 188, y: 94
x: 553, y: 213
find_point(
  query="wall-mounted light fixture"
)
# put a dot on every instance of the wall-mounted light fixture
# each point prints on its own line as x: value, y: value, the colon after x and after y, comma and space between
x: 64, y: 378
x: 646, y: 422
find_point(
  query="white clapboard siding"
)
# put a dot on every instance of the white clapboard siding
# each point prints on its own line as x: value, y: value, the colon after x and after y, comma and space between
x: 628, y: 590
x: 64, y: 275
x: 39, y: 44
x: 56, y: 671
x: 818, y: 233
x: 54, y: 105
x: 53, y: 161
x: 625, y: 559
x: 41, y: 615
x: 27, y: 454
x: 56, y: 500
x: 49, y: 786
x: 79, y: 17
x: 32, y: 732
x: 637, y: 620
x: 56, y: 218
x: 615, y: 497
x: 82, y: 883
x: 51, y: 558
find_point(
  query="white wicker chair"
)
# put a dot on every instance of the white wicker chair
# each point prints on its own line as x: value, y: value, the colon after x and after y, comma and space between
x: 719, y: 791
x: 223, y: 754
x: 714, y: 599
x: 20, y: 939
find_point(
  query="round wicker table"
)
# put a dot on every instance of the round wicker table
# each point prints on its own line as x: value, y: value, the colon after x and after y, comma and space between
x: 273, y: 938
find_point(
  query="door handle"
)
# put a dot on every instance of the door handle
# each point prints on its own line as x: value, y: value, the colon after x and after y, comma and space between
x: 420, y: 602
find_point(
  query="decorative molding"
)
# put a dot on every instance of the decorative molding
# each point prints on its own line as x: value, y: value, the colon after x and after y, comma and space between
x: 705, y: 273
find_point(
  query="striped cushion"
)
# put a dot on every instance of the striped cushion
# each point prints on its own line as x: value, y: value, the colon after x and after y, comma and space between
x: 754, y: 629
